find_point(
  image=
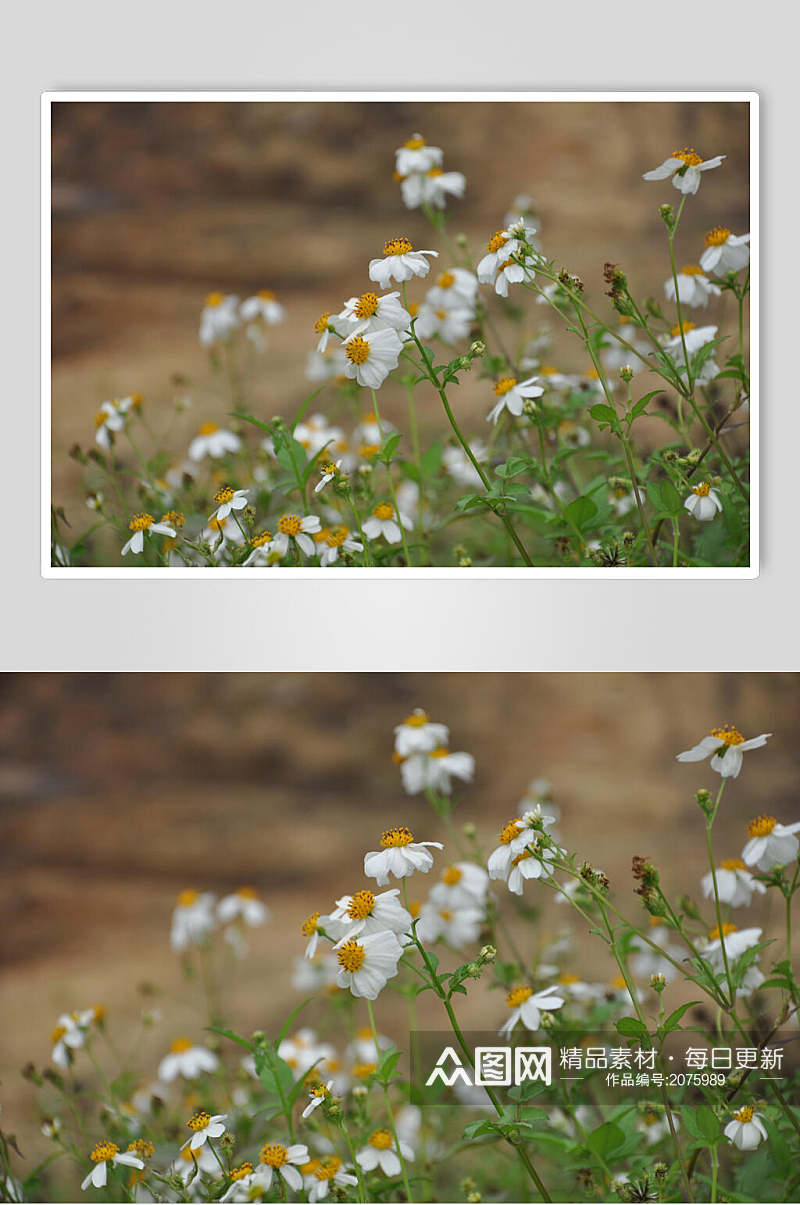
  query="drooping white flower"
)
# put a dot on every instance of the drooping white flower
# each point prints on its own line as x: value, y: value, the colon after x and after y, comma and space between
x: 500, y: 265
x: 419, y: 734
x: 243, y: 904
x: 381, y: 1151
x: 771, y: 844
x: 435, y: 770
x: 111, y: 418
x: 228, y: 499
x: 725, y: 252
x: 204, y: 1126
x: 685, y: 168
x: 735, y: 883
x: 187, y: 1060
x: 364, y: 913
x: 103, y: 1154
x: 317, y: 1098
x: 531, y: 863
x: 192, y: 919
x: 263, y: 305
x: 455, y: 289
x: 384, y: 522
x: 703, y: 502
x: 694, y: 289
x: 220, y: 318
x: 500, y: 859
x: 297, y: 528
x: 141, y: 524
x: 527, y: 1007
x: 746, y: 1130
x: 511, y: 395
x: 432, y: 187
x: 725, y: 746
x: 367, y: 963
x: 416, y: 156
x: 399, y: 855
x: 369, y: 313
x: 213, y: 441
x: 371, y: 359
x: 399, y: 262
x: 69, y: 1035
x: 321, y: 367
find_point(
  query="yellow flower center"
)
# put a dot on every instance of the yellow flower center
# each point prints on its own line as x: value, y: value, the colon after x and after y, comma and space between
x: 440, y: 752
x: 381, y: 1140
x: 761, y: 826
x: 58, y: 1033
x: 368, y: 450
x: 290, y: 525
x: 274, y: 1154
x: 100, y: 418
x: 619, y: 983
x: 224, y: 494
x: 508, y: 832
x: 744, y: 1114
x: 141, y: 522
x: 691, y: 270
x: 688, y: 155
x: 728, y: 734
x: 260, y: 540
x: 717, y: 236
x: 208, y: 429
x: 142, y: 1147
x: 361, y: 904
x: 732, y: 864
x: 357, y: 350
x: 328, y: 469
x: 497, y: 241
x: 214, y: 299
x: 104, y: 1151
x: 366, y: 305
x: 239, y: 1173
x: 518, y: 996
x: 199, y: 1121
x: 336, y: 536
x: 266, y: 294
x: 320, y: 1092
x: 327, y: 1167
x: 384, y: 510
x: 179, y: 1045
x: 452, y: 876
x: 446, y: 915
x: 364, y: 1070
x: 702, y: 489
x: 321, y: 325
x: 309, y: 926
x: 526, y: 853
x: 176, y: 518
x: 397, y: 246
x: 417, y: 719
x: 446, y: 280
x: 435, y: 171
x: 394, y: 837
x: 678, y: 327
x: 567, y: 979
x: 415, y: 144
x: 727, y: 929
x: 351, y: 956
x: 187, y: 898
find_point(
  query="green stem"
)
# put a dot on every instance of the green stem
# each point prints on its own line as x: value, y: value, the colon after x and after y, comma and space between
x: 718, y: 908
x: 388, y: 1104
x: 391, y: 483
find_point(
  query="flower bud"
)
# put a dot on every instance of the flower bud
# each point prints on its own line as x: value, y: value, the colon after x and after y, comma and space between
x: 487, y: 954
x: 477, y: 348
x: 667, y: 215
x: 626, y: 373
x: 704, y: 801
x: 658, y: 983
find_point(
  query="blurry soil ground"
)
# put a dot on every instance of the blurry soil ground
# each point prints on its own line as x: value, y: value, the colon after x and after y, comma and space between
x: 155, y: 205
x: 118, y: 791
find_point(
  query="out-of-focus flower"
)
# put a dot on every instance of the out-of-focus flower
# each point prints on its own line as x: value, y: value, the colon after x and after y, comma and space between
x: 432, y: 187
x: 213, y: 441
x: 527, y: 1006
x: 416, y: 156
x: 243, y: 904
x: 263, y: 305
x: 192, y: 919
x: 694, y: 288
x: 187, y: 1060
x: 220, y: 318
x: 435, y: 770
x: 735, y: 883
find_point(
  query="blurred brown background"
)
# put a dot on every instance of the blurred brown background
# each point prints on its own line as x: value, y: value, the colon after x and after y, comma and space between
x: 119, y: 790
x: 155, y: 205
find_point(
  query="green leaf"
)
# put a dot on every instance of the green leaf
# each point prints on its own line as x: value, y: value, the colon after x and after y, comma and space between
x: 432, y: 459
x: 670, y: 498
x: 631, y: 1027
x: 388, y: 449
x: 703, y: 1125
x: 580, y: 511
x: 673, y: 1020
x: 605, y: 1140
x: 603, y: 414
x: 287, y: 1025
x: 639, y: 408
x: 228, y: 1033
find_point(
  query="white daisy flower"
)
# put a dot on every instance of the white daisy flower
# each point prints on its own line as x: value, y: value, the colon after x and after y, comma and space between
x: 365, y: 913
x: 451, y: 325
x: 310, y: 928
x: 416, y: 156
x: 694, y: 289
x: 70, y: 1034
x: 228, y: 500
x: 530, y: 864
x: 435, y: 770
x: 187, y: 1060
x: 499, y: 266
x: 184, y: 1166
x: 333, y: 540
x: 243, y: 904
x: 736, y: 941
x: 455, y: 289
x: 703, y: 502
x: 527, y: 1007
x: 326, y: 367
x: 771, y: 844
x: 500, y: 859
x: 192, y: 919
x: 384, y: 522
x: 399, y: 262
x: 317, y: 1098
x: 103, y: 1154
x: 263, y: 552
x: 381, y: 1152
x: 274, y: 1157
x: 461, y: 884
x: 655, y: 1126
x: 368, y: 963
x: 369, y: 312
x: 219, y: 319
x: 574, y: 987
x: 419, y: 734
x: 432, y: 187
x: 110, y: 418
x: 460, y: 467
x: 204, y: 1126
x: 572, y: 435
x: 264, y: 306
x: 213, y: 441
x: 326, y: 1170
x: 746, y: 1130
x: 725, y: 746
x: 685, y: 168
x: 511, y: 395
x: 735, y: 883
x: 725, y: 252
x: 329, y: 470
x: 298, y: 528
x: 370, y: 360
x: 141, y: 523
x: 316, y: 434
x: 458, y: 926
x: 221, y: 532
x: 399, y: 855
x: 694, y: 336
